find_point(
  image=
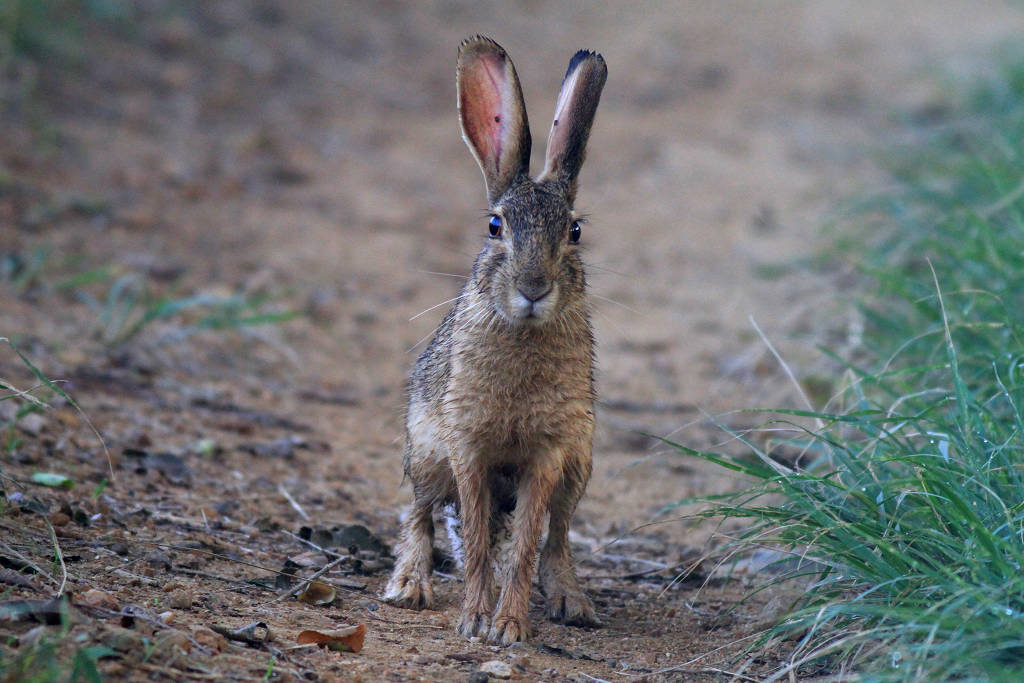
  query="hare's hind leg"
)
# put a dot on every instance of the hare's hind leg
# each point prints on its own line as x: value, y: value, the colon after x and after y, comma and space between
x: 410, y: 581
x: 432, y: 483
x: 566, y: 601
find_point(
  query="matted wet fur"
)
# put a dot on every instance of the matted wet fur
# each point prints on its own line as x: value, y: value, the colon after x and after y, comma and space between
x: 501, y: 402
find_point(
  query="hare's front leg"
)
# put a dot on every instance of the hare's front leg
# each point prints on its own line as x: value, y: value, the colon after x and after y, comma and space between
x: 475, y: 503
x: 566, y: 601
x: 511, y: 621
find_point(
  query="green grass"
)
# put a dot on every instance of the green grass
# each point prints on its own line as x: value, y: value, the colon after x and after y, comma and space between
x: 124, y: 303
x: 911, y: 513
x: 43, y: 28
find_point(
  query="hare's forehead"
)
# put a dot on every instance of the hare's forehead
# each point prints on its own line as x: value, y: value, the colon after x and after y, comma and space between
x: 532, y: 207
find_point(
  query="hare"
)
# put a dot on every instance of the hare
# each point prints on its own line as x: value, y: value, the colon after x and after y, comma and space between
x: 501, y: 403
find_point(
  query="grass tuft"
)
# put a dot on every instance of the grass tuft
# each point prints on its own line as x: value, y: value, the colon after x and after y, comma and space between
x: 910, y: 521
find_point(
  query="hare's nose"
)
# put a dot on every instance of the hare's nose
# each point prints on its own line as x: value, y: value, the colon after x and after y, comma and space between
x: 534, y: 289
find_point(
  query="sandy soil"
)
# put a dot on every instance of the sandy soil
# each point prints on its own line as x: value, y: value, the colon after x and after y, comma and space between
x: 307, y: 156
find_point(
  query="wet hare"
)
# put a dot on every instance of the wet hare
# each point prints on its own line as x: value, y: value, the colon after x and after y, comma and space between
x: 501, y: 414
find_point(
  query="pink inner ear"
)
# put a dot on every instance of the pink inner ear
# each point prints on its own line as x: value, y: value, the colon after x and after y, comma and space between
x: 481, y: 93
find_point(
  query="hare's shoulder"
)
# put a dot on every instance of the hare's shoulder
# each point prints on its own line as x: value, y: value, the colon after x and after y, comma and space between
x: 432, y: 370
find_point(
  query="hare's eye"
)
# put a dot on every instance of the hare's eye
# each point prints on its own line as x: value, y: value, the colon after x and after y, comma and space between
x: 575, y: 232
x: 495, y: 226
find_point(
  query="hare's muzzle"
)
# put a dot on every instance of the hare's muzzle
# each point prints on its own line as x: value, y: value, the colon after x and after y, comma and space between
x: 533, y: 299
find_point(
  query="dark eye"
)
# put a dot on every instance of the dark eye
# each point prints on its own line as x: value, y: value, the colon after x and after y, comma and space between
x: 495, y: 226
x: 574, y: 233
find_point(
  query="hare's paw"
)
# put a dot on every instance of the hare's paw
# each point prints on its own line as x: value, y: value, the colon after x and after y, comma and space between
x: 410, y: 591
x: 508, y: 629
x: 473, y: 623
x: 571, y: 607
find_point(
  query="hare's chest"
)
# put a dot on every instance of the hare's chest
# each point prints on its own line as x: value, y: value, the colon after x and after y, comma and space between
x: 519, y: 398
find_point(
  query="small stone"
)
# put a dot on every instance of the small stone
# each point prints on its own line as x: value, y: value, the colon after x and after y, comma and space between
x: 180, y: 599
x: 478, y: 677
x: 97, y: 598
x: 210, y: 639
x: 32, y: 423
x: 171, y: 641
x: 496, y: 668
x: 59, y: 519
x: 121, y: 639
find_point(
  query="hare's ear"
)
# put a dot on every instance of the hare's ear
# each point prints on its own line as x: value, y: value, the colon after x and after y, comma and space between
x: 492, y: 113
x: 574, y: 113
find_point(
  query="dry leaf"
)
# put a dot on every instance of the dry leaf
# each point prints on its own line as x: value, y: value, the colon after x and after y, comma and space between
x: 318, y: 593
x: 349, y: 639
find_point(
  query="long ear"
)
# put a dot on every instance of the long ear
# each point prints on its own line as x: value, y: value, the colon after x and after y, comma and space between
x: 492, y: 113
x: 574, y: 113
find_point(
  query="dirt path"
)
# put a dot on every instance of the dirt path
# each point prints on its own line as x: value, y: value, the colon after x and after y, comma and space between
x: 306, y: 156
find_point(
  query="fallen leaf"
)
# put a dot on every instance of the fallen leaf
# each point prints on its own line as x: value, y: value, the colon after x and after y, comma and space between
x: 349, y: 639
x: 51, y: 479
x: 318, y: 593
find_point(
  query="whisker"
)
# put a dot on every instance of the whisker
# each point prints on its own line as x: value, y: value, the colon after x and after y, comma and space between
x: 617, y: 303
x: 608, y: 319
x: 433, y: 307
x: 434, y: 272
x: 425, y: 337
x: 595, y: 266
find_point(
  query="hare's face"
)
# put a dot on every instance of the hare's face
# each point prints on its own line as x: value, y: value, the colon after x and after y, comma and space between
x: 530, y: 271
x: 530, y: 266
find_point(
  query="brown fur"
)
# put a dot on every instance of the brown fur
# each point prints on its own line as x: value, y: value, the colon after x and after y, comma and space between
x: 501, y: 401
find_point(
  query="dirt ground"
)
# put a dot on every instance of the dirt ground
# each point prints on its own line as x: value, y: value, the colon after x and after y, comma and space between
x: 305, y: 158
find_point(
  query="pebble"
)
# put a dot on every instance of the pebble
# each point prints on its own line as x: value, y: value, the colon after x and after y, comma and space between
x: 180, y: 599
x: 496, y: 668
x: 209, y: 638
x: 97, y: 598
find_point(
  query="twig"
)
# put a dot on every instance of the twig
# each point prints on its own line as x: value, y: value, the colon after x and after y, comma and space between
x: 176, y: 674
x: 135, y: 577
x: 30, y: 563
x: 788, y: 371
x: 284, y: 492
x: 400, y: 624
x: 218, y: 577
x: 682, y: 667
x: 316, y: 575
x: 143, y: 616
x: 60, y: 558
x: 225, y: 558
x: 314, y: 546
x: 63, y: 394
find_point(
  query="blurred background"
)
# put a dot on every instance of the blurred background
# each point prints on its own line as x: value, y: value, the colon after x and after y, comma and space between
x: 222, y: 219
x: 265, y: 192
